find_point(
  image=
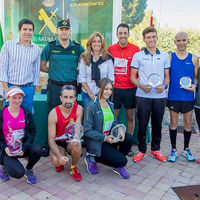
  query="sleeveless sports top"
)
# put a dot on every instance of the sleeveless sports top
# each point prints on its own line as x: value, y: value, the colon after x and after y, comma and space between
x: 180, y: 68
x: 62, y: 122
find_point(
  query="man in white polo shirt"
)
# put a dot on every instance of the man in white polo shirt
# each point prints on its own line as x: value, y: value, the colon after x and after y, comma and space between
x: 152, y: 66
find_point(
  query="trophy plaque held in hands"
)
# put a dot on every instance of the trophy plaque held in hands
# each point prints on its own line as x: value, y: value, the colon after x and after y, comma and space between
x: 73, y: 132
x: 117, y: 133
x: 185, y: 82
x: 15, y: 143
x: 154, y: 80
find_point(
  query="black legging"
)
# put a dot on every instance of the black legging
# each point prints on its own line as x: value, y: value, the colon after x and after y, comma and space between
x: 113, y: 157
x: 13, y: 166
x: 197, y: 114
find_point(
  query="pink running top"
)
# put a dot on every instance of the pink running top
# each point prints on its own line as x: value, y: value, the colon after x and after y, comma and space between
x: 13, y: 128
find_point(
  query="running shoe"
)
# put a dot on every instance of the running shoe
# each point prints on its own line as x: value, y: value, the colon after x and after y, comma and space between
x: 91, y: 165
x: 139, y: 156
x: 173, y: 156
x: 158, y: 155
x: 31, y: 178
x: 75, y: 174
x: 59, y: 168
x: 130, y: 153
x: 188, y: 155
x: 3, y: 174
x: 121, y: 171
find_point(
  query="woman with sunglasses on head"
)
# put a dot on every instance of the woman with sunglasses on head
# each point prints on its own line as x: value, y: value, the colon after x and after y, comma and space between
x: 95, y: 63
x: 99, y: 119
x: 17, y: 131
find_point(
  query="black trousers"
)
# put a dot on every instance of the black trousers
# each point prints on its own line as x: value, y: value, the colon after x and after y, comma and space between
x: 13, y: 166
x: 146, y: 108
x: 114, y: 155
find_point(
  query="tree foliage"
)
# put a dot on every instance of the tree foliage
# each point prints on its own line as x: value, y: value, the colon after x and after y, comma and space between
x: 166, y: 36
x: 133, y: 11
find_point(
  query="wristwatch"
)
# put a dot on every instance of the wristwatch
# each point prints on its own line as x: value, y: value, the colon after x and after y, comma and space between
x: 166, y: 85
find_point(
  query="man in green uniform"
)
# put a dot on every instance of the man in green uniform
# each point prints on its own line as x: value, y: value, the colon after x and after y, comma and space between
x: 63, y: 56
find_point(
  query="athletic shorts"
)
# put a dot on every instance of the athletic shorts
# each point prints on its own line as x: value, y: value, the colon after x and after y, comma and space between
x: 62, y: 144
x: 125, y: 97
x: 180, y: 106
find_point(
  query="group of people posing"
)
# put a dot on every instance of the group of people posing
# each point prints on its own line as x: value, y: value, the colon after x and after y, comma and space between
x: 120, y: 75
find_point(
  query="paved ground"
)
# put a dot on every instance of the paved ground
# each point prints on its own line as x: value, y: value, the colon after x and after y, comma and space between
x: 150, y: 179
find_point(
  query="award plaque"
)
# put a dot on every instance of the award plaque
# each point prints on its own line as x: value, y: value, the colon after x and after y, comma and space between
x: 185, y: 81
x: 154, y: 80
x: 73, y: 132
x: 117, y: 133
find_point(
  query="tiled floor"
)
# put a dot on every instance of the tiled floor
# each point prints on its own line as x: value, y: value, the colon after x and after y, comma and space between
x: 150, y: 179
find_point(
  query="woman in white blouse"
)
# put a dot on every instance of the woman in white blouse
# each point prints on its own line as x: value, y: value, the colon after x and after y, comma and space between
x: 95, y: 64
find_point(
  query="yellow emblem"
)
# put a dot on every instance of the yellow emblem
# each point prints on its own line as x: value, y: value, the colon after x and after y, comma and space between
x: 73, y: 52
x: 64, y: 23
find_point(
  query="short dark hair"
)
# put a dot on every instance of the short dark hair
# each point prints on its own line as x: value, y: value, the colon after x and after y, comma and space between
x: 102, y: 84
x: 68, y: 87
x: 25, y: 21
x: 123, y: 25
x: 149, y: 30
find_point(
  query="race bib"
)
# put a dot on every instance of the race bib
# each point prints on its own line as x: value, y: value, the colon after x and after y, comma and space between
x: 120, y: 66
x: 107, y: 127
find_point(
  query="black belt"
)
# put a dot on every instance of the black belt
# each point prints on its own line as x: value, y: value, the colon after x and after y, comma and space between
x: 61, y: 83
x: 23, y: 85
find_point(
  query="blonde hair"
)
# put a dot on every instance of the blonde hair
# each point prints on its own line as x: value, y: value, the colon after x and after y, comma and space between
x: 12, y: 87
x: 87, y: 54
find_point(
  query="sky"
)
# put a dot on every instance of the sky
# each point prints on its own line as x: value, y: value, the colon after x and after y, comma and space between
x: 176, y: 13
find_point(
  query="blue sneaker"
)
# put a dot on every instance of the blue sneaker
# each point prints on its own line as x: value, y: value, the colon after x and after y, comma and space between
x: 91, y: 165
x: 173, y: 156
x: 121, y: 171
x: 188, y: 155
x: 3, y: 174
x: 31, y: 178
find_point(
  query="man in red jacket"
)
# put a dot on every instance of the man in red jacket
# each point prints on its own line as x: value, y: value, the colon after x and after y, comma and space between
x: 124, y: 90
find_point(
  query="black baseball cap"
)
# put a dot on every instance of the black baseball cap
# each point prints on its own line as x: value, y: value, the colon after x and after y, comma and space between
x: 63, y: 24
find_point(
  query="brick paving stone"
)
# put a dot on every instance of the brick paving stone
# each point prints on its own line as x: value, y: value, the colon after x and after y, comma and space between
x: 63, y: 195
x: 156, y: 192
x: 143, y: 188
x: 32, y: 190
x: 117, y: 196
x: 168, y: 196
x: 54, y: 198
x: 138, y: 194
x: 3, y: 185
x: 10, y: 191
x: 130, y: 198
x: 73, y: 188
x: 3, y: 196
x: 43, y: 195
x: 97, y: 196
x: 106, y: 191
x: 21, y: 196
x: 149, y: 179
x: 84, y: 193
x: 162, y: 186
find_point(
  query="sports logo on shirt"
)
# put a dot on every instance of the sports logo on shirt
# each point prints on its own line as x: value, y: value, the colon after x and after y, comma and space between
x: 120, y: 66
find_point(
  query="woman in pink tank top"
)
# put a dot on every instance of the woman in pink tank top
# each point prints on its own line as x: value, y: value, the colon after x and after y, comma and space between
x: 17, y: 132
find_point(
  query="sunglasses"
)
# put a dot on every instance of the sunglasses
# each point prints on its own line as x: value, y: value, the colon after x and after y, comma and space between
x: 70, y: 87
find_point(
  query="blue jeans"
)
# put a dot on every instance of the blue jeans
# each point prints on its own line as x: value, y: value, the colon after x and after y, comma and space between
x: 28, y: 98
x: 85, y: 99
